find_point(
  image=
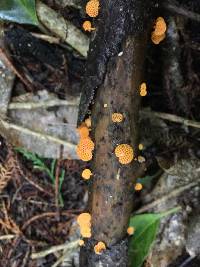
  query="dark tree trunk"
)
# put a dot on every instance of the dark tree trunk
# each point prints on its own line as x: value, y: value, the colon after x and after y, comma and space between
x: 119, y: 76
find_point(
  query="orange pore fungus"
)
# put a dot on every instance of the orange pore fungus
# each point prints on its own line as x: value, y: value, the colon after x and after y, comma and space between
x: 130, y: 230
x: 84, y: 221
x: 117, y: 117
x: 86, y: 174
x: 125, y: 153
x: 99, y: 247
x: 159, y: 31
x: 138, y: 186
x: 143, y: 89
x: 160, y: 26
x: 87, y: 26
x: 84, y: 149
x: 92, y: 8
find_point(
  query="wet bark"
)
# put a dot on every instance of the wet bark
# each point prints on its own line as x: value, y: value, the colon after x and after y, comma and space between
x: 118, y: 82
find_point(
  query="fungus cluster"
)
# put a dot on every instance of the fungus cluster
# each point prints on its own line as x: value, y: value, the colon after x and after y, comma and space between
x: 160, y: 28
x: 99, y: 247
x: 92, y: 8
x: 85, y: 146
x: 84, y: 221
x: 117, y: 117
x: 125, y: 153
x: 143, y: 89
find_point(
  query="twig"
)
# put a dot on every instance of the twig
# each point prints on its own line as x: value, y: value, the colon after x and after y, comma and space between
x: 6, y: 237
x: 9, y: 64
x: 170, y: 195
x: 46, y: 137
x: 53, y: 249
x: 44, y: 104
x: 171, y: 117
x: 182, y: 11
x: 47, y: 214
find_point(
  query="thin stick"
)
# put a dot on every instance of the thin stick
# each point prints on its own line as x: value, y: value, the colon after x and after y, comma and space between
x: 6, y: 237
x: 172, y: 194
x: 46, y: 137
x: 54, y: 249
x: 182, y: 11
x: 47, y: 214
x: 171, y: 117
x: 44, y: 104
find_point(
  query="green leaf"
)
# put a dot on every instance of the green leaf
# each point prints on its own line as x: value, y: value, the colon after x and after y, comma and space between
x: 146, y: 227
x: 20, y: 11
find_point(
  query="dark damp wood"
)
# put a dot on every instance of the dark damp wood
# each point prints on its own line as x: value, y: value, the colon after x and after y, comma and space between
x: 111, y: 191
x: 114, y: 79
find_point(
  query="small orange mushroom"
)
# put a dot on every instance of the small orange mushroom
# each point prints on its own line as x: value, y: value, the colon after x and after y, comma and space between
x: 138, y: 186
x: 99, y: 247
x: 92, y: 8
x: 143, y: 89
x: 86, y: 174
x: 87, y: 26
x: 130, y: 230
x: 125, y: 153
x: 84, y: 155
x: 84, y: 221
x: 117, y: 117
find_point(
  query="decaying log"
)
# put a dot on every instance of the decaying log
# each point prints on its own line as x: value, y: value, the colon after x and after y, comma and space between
x: 115, y: 67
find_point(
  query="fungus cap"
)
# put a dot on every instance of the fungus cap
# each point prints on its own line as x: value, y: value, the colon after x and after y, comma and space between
x: 92, y: 8
x: 87, y: 26
x: 125, y: 153
x: 86, y: 174
x: 140, y: 146
x: 130, y: 230
x: 84, y: 217
x: 138, y: 186
x: 99, y: 247
x: 160, y: 26
x: 117, y: 117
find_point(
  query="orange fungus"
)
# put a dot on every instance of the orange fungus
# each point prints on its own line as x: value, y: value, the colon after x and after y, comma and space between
x: 160, y: 28
x: 87, y: 26
x: 138, y: 186
x: 125, y: 153
x: 130, y: 230
x: 86, y: 174
x: 92, y: 8
x: 117, y: 117
x: 84, y: 221
x: 99, y: 247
